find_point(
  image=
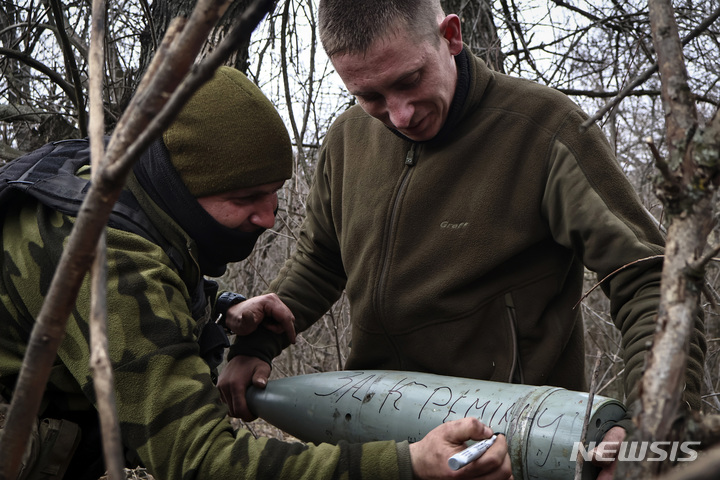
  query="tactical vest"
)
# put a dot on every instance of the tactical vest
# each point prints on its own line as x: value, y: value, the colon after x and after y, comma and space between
x: 49, y: 175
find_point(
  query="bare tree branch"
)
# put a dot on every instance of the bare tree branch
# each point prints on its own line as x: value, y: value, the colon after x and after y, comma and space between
x: 687, y: 193
x: 74, y: 40
x: 28, y: 60
x: 606, y: 94
x: 588, y: 411
x: 159, y: 121
x: 70, y: 65
x: 8, y: 153
x: 643, y: 77
x: 148, y: 16
x: 103, y: 379
x: 126, y: 145
x: 640, y: 260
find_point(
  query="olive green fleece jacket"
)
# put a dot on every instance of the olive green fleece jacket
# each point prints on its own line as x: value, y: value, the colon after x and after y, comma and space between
x: 171, y: 416
x: 464, y: 256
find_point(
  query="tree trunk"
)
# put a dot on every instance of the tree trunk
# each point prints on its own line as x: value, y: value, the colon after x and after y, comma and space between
x: 687, y: 191
x: 161, y: 14
x: 478, y: 29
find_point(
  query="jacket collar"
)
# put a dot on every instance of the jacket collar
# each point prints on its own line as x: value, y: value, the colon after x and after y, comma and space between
x: 473, y: 78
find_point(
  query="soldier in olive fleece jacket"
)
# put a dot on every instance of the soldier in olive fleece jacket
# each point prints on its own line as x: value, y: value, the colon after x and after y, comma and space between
x: 171, y: 417
x: 462, y: 254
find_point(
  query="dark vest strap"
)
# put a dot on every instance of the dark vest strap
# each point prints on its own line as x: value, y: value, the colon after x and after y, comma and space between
x: 48, y: 174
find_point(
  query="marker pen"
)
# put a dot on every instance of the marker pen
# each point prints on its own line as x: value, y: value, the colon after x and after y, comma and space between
x: 471, y: 453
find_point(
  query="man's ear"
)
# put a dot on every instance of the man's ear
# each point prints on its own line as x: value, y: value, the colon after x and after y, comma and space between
x: 450, y: 31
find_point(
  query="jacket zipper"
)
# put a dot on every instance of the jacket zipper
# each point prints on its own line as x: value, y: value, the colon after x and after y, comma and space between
x: 410, y: 161
x: 516, y: 373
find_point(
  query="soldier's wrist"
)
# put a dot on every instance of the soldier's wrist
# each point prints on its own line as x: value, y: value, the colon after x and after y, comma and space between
x: 223, y: 303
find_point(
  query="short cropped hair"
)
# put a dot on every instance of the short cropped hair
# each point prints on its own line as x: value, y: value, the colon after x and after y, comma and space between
x: 351, y: 26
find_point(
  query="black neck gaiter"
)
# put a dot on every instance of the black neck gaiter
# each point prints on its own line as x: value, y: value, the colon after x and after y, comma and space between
x: 461, y: 92
x: 217, y: 244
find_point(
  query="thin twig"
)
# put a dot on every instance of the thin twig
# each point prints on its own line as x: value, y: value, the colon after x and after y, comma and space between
x: 660, y: 162
x: 643, y: 77
x: 640, y: 260
x: 150, y: 23
x: 70, y: 64
x: 199, y: 75
x: 700, y: 264
x: 55, y: 77
x: 49, y: 328
x: 103, y: 380
x: 579, y: 461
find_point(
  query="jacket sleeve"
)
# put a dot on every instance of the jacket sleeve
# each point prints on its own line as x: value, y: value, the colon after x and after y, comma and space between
x: 592, y: 209
x: 312, y: 279
x: 170, y: 413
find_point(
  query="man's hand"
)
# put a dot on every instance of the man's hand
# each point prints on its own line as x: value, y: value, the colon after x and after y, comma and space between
x: 605, y: 454
x: 266, y: 310
x: 430, y: 455
x: 236, y: 377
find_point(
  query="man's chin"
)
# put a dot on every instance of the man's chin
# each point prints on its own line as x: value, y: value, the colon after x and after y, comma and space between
x: 421, y: 133
x: 419, y: 137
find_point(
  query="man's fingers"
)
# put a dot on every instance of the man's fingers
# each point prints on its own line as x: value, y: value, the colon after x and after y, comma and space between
x: 429, y: 456
x: 259, y: 380
x: 236, y: 405
x: 281, y: 319
x: 499, y: 452
x: 238, y: 374
x: 469, y: 427
x: 606, y: 452
x: 247, y: 323
x: 260, y: 377
x: 288, y: 327
x: 242, y: 410
x: 495, y: 459
x: 266, y: 310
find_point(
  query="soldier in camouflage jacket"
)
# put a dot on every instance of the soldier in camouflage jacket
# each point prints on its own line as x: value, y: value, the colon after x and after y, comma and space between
x: 209, y: 188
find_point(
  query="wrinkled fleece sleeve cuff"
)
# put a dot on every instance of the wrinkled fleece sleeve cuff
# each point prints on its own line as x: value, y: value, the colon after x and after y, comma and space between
x: 262, y: 343
x: 404, y: 462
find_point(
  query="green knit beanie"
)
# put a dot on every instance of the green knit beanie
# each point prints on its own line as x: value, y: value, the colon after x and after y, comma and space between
x: 229, y: 136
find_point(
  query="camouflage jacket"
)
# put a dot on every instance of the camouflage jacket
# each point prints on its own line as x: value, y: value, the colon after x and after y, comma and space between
x: 171, y: 416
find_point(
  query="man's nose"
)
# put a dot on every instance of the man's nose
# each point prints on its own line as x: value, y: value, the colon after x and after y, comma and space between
x: 400, y: 112
x: 264, y: 214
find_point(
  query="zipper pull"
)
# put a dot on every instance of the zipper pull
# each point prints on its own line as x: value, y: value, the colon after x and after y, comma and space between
x: 410, y: 158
